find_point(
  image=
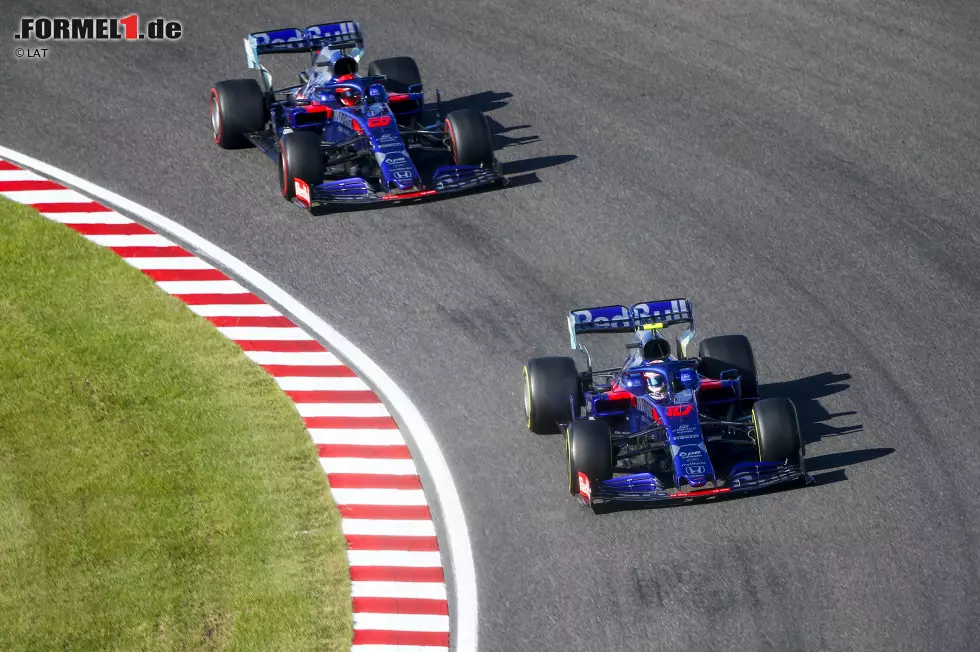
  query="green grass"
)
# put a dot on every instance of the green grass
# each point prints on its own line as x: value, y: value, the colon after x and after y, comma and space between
x: 157, y: 490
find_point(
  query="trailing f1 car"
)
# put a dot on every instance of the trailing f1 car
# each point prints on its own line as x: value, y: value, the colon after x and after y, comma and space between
x: 663, y: 427
x: 339, y: 137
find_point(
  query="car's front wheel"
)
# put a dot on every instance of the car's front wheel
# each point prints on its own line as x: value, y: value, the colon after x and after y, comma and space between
x: 777, y: 431
x: 470, y: 141
x: 589, y: 447
x: 300, y: 157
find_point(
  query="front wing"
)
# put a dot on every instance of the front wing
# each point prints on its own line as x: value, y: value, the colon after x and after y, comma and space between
x: 445, y: 180
x: 645, y: 487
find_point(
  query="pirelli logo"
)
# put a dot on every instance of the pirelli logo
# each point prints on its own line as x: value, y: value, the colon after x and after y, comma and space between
x: 126, y: 28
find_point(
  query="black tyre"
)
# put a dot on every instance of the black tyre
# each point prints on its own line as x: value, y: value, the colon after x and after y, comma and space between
x: 589, y: 451
x: 469, y: 138
x: 237, y: 107
x: 548, y: 384
x: 777, y: 431
x: 401, y: 72
x: 300, y: 157
x: 726, y: 352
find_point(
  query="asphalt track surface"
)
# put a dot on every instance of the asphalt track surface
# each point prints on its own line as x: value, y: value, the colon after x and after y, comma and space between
x: 807, y: 170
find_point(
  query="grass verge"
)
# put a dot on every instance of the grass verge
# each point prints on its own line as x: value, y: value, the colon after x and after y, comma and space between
x: 157, y: 490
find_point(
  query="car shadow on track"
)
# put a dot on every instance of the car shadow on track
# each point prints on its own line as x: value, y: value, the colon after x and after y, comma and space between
x: 845, y: 458
x: 814, y: 423
x: 485, y: 102
x: 520, y: 172
x: 806, y: 394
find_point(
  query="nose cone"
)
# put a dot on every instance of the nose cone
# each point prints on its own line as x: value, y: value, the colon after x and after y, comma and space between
x: 687, y: 447
x: 691, y: 464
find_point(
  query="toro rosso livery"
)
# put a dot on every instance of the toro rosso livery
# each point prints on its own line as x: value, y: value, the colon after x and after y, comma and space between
x: 339, y: 137
x: 662, y: 427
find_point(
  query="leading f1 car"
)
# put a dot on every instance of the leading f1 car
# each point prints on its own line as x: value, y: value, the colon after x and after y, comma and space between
x: 339, y: 137
x: 666, y: 425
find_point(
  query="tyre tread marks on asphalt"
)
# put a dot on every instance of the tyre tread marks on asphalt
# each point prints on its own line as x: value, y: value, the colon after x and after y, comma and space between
x: 397, y: 582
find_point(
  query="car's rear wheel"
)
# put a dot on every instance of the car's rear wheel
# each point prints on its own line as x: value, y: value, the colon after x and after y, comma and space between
x: 777, y: 431
x: 402, y: 72
x: 589, y: 444
x: 470, y: 141
x: 550, y: 385
x: 300, y: 157
x: 727, y: 352
x: 238, y: 107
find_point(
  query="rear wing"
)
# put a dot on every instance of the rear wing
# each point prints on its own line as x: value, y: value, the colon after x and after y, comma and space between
x: 345, y: 35
x: 650, y: 315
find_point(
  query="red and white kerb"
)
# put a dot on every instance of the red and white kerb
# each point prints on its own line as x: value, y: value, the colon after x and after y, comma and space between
x: 397, y: 580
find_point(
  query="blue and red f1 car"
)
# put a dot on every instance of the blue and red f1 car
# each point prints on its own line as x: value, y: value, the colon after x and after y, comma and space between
x: 663, y: 427
x: 339, y: 137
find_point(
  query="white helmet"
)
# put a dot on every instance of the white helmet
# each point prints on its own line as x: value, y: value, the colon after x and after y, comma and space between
x: 656, y: 384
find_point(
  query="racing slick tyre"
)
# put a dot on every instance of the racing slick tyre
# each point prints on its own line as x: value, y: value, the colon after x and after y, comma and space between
x: 300, y: 157
x: 589, y: 445
x: 726, y: 352
x: 401, y: 72
x: 237, y: 107
x: 548, y: 384
x: 469, y: 138
x: 777, y: 431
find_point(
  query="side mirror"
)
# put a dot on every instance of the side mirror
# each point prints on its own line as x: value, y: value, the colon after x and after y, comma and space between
x: 729, y: 374
x: 689, y: 379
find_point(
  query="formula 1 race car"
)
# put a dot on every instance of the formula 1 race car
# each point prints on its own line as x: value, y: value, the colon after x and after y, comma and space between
x: 673, y: 428
x: 342, y: 138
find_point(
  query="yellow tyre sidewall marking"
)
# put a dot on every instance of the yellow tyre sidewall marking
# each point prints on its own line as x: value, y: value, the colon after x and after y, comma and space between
x: 758, y: 438
x: 568, y: 448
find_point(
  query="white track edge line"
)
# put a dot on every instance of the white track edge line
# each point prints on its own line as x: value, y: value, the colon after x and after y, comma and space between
x: 415, y: 426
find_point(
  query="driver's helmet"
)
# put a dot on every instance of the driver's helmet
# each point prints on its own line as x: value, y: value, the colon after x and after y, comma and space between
x: 656, y: 385
x: 348, y: 95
